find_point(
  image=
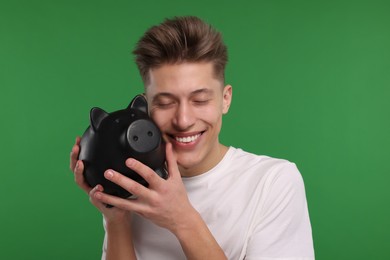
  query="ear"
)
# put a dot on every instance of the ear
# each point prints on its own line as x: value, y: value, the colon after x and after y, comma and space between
x: 226, y: 98
x: 96, y: 117
x: 139, y: 102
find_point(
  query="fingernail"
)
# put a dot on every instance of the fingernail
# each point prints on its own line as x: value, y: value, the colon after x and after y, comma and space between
x: 77, y: 165
x: 98, y: 195
x: 109, y: 174
x: 130, y: 162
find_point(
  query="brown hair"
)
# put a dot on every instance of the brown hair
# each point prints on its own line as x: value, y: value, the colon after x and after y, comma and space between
x: 178, y: 40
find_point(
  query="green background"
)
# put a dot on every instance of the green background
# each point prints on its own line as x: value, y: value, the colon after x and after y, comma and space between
x: 311, y: 84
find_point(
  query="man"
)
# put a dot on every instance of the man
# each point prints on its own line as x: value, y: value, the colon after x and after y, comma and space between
x: 218, y: 202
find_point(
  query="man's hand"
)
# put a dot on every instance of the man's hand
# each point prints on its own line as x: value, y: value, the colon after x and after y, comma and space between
x: 114, y: 215
x: 77, y: 167
x: 164, y: 202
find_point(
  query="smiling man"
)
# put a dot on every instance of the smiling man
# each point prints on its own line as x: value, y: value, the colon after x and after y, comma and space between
x: 187, y: 102
x: 218, y: 202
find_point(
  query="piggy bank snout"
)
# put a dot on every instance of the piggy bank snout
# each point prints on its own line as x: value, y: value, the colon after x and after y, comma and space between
x: 143, y: 136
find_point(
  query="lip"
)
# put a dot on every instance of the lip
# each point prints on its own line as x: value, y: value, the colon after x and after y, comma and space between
x: 186, y: 140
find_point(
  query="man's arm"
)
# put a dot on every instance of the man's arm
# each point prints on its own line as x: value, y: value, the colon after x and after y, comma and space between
x: 198, y: 242
x: 282, y: 227
x: 118, y: 241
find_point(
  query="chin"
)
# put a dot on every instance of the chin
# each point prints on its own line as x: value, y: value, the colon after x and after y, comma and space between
x: 188, y: 162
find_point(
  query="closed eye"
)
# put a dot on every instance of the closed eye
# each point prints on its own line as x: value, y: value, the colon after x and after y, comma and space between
x: 202, y: 102
x: 163, y: 101
x: 164, y: 105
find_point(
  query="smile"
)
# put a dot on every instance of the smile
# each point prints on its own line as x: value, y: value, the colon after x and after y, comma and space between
x: 187, y: 139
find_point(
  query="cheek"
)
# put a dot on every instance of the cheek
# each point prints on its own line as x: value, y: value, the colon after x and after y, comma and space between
x: 161, y: 118
x: 211, y: 115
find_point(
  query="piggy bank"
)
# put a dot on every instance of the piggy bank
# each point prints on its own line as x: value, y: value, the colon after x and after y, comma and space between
x: 114, y: 137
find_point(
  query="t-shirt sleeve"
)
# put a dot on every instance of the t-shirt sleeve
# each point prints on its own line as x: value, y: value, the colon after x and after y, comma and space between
x: 281, y: 228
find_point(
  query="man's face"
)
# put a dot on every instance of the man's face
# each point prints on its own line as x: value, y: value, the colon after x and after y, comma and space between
x: 187, y: 102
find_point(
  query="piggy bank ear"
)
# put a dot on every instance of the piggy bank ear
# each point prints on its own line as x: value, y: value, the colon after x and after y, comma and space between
x: 96, y: 116
x: 139, y: 103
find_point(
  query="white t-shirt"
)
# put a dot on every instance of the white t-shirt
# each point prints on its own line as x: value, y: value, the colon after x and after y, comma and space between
x: 255, y: 207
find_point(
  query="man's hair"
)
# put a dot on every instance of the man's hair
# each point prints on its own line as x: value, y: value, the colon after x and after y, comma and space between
x: 179, y: 40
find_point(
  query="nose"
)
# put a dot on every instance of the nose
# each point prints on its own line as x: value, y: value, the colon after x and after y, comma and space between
x: 184, y: 117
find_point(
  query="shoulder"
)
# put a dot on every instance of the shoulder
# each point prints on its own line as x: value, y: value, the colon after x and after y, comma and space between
x: 254, y: 174
x: 266, y: 166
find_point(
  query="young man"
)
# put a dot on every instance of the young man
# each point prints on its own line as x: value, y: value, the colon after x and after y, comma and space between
x: 218, y: 202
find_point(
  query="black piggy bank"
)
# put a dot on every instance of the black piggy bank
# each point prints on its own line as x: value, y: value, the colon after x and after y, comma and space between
x: 114, y: 137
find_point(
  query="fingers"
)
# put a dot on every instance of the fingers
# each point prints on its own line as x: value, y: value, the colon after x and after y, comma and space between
x: 101, y: 200
x: 74, y: 154
x: 145, y: 172
x: 79, y: 176
x: 127, y: 204
x: 93, y: 197
x: 173, y: 168
x: 77, y: 167
x: 128, y: 184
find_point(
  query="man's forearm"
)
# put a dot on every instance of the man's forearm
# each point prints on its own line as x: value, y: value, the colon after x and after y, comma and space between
x: 119, y: 242
x: 197, y: 241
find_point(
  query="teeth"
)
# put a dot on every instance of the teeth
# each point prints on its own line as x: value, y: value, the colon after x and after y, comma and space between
x: 187, y: 139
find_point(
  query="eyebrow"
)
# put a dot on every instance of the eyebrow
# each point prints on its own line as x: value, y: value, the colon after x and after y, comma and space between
x: 202, y: 91
x: 163, y: 94
x: 193, y: 93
